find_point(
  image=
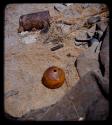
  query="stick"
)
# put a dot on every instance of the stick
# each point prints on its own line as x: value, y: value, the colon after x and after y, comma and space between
x: 57, y: 47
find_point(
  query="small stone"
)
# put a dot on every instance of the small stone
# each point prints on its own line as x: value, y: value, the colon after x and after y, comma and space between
x: 102, y: 25
x: 66, y: 28
x: 82, y: 35
x: 60, y: 7
x: 68, y: 13
x: 93, y: 19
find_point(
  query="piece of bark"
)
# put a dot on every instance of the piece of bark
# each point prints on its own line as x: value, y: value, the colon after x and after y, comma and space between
x: 57, y: 47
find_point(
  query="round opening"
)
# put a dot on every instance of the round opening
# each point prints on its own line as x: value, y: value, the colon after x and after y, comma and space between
x: 54, y: 70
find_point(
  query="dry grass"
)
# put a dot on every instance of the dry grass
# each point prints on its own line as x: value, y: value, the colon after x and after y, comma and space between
x: 55, y: 34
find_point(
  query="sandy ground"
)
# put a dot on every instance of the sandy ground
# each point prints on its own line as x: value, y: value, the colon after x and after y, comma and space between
x: 26, y: 63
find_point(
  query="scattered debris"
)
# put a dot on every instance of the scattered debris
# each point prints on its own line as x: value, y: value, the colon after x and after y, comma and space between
x: 96, y: 37
x: 56, y: 34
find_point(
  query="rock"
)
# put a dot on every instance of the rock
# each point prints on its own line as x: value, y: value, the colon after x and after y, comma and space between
x: 65, y: 28
x: 75, y: 103
x: 24, y: 90
x: 23, y: 73
x: 68, y: 13
x: 104, y: 58
x: 82, y: 35
x: 86, y: 62
x: 94, y: 9
x: 93, y: 19
x: 89, y: 61
x: 86, y: 99
x: 60, y: 7
x: 91, y: 30
x: 68, y: 4
x: 98, y: 110
x: 97, y: 61
x: 35, y: 114
x: 102, y: 25
x: 104, y: 53
x: 24, y: 95
x: 29, y: 37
